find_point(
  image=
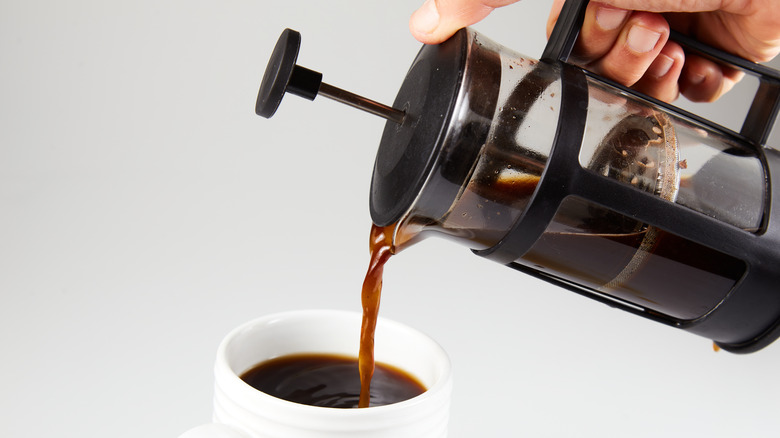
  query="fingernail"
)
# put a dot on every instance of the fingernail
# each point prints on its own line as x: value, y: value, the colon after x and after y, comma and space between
x: 695, y: 78
x: 610, y: 18
x: 641, y: 39
x: 661, y: 66
x: 426, y: 19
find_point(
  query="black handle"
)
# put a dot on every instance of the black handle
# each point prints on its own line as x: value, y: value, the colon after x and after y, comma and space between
x: 761, y: 116
x: 565, y: 31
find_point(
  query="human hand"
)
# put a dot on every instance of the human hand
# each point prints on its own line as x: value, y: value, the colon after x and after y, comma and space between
x: 628, y: 40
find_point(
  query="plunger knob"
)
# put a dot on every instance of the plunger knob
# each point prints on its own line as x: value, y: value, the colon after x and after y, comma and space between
x: 283, y: 75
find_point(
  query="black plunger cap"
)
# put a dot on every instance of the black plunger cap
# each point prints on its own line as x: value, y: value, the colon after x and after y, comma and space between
x: 283, y: 75
x: 408, y: 152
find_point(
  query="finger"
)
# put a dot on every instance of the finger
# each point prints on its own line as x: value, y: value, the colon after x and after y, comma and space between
x: 555, y: 12
x: 677, y: 5
x: 640, y: 41
x: 599, y: 31
x: 661, y: 79
x: 437, y: 20
x: 703, y: 80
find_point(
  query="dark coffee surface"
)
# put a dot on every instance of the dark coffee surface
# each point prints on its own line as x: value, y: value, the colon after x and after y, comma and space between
x: 329, y: 381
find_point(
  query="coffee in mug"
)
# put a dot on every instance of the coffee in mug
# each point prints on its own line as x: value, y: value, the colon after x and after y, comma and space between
x: 330, y: 380
x: 241, y: 411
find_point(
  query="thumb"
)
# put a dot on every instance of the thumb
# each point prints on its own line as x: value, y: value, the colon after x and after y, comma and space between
x: 437, y: 20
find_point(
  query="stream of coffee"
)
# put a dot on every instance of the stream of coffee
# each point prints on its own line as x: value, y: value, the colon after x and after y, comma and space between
x: 381, y: 248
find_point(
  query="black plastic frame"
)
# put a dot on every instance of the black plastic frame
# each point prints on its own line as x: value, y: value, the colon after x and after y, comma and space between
x: 749, y: 316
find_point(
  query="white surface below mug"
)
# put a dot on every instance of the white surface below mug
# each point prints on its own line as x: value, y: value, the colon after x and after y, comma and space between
x: 241, y: 411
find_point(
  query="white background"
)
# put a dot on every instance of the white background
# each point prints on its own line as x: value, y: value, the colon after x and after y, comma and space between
x: 145, y: 211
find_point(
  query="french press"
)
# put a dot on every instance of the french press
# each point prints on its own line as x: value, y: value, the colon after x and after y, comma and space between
x: 571, y: 178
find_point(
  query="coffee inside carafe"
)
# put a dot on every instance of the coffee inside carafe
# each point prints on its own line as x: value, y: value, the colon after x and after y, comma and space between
x: 624, y: 140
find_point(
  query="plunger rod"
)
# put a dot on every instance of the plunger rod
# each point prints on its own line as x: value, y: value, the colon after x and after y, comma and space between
x: 362, y: 103
x: 283, y: 75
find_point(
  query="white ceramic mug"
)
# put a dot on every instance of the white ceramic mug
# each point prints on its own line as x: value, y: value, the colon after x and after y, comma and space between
x: 241, y: 411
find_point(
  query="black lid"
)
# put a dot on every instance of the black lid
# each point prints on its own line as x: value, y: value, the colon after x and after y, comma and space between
x: 407, y: 152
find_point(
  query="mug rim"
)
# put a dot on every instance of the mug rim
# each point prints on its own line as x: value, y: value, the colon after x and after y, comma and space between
x: 225, y: 373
